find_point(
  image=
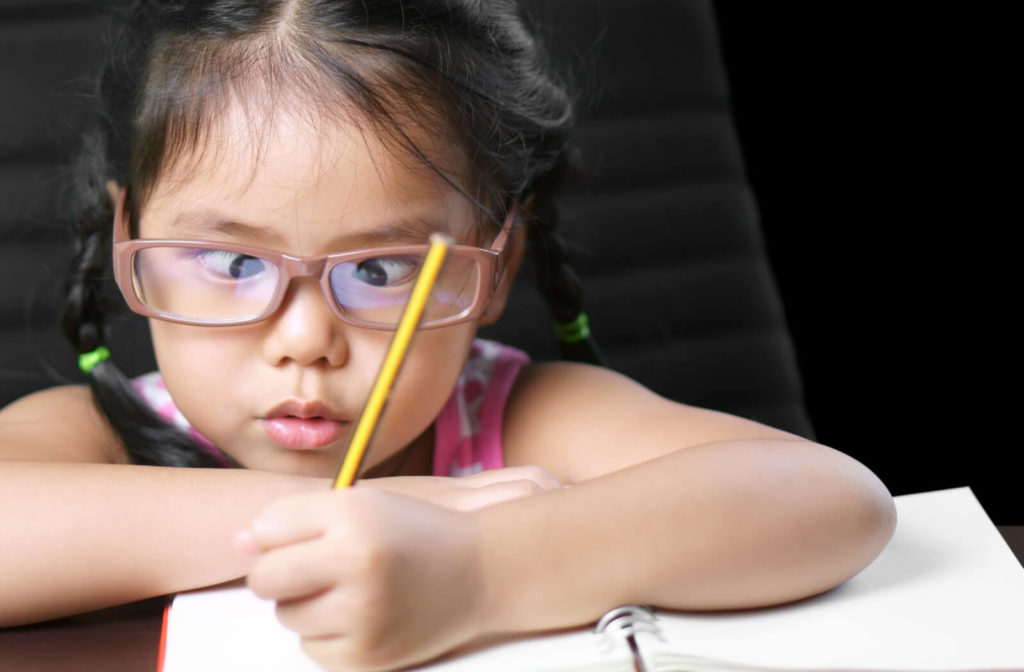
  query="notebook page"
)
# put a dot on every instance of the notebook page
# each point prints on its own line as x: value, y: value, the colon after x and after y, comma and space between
x: 229, y: 629
x: 946, y: 594
x: 580, y: 650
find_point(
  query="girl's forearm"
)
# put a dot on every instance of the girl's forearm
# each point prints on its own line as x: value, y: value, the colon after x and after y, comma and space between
x: 726, y: 525
x: 78, y: 537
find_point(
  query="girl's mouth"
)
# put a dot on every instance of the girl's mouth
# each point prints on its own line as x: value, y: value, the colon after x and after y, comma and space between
x: 303, y: 425
x: 297, y: 433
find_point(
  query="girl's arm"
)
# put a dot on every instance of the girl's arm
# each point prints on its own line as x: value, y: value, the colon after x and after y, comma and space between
x: 84, y: 530
x: 733, y: 524
x: 79, y: 537
x: 668, y: 505
x: 81, y: 532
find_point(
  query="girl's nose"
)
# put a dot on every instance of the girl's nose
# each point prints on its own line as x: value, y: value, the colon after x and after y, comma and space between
x: 305, y: 331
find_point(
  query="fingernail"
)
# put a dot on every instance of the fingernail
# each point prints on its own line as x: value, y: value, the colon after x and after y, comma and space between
x: 244, y: 542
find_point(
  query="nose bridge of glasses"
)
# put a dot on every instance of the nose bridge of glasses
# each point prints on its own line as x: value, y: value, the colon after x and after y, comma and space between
x: 295, y: 268
x: 302, y: 267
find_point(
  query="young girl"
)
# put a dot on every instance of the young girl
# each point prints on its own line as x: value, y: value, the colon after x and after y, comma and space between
x: 262, y: 183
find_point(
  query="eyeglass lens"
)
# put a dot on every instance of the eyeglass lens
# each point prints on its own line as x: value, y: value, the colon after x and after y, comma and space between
x: 223, y: 286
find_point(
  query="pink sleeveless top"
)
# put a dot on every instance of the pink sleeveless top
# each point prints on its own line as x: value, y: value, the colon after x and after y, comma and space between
x: 468, y: 429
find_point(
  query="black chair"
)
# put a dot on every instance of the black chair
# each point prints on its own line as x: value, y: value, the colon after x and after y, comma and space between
x: 664, y: 226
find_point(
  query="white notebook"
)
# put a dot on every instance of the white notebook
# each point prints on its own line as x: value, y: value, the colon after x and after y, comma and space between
x: 947, y: 594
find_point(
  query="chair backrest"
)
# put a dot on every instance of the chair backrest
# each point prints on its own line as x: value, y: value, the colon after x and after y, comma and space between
x: 664, y: 227
x: 48, y: 51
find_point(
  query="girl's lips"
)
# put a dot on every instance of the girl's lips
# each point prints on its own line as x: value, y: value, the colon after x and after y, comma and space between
x: 302, y: 433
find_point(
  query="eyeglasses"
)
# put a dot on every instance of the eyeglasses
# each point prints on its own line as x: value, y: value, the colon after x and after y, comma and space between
x: 218, y: 284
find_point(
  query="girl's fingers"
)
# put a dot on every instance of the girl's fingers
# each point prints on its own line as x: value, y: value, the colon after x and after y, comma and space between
x: 345, y: 655
x: 500, y: 485
x: 287, y: 521
x: 539, y: 476
x: 502, y: 491
x: 274, y: 576
x: 323, y: 615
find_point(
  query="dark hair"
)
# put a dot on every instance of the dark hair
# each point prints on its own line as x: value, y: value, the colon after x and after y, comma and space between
x: 172, y: 65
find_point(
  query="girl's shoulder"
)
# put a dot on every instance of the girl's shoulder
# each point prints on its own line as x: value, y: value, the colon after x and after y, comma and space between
x: 58, y: 424
x: 580, y: 421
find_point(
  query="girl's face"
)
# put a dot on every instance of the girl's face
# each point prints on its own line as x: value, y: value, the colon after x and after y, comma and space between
x: 305, y: 191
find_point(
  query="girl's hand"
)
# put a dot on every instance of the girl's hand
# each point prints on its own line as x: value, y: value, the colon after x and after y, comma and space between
x: 370, y: 580
x: 470, y: 492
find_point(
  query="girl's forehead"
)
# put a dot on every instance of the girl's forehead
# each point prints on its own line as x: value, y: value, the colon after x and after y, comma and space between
x: 278, y: 172
x: 294, y: 147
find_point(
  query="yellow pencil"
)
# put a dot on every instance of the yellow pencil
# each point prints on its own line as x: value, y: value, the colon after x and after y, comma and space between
x: 407, y: 325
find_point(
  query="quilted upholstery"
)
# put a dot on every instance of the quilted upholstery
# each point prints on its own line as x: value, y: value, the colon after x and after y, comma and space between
x: 47, y: 50
x: 664, y: 226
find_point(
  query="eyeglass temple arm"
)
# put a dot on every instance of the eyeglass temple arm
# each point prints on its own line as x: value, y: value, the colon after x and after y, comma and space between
x: 498, y: 246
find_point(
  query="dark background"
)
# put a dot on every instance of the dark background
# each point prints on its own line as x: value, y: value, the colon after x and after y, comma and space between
x: 873, y: 141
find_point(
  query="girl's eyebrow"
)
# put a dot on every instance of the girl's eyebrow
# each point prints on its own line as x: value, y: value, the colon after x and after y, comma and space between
x: 404, y: 229
x: 203, y: 223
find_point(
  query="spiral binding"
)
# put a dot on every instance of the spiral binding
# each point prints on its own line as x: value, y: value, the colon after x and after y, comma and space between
x: 624, y: 623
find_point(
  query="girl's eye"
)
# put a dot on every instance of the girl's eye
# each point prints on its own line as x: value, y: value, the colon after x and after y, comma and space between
x: 385, y: 271
x: 229, y: 264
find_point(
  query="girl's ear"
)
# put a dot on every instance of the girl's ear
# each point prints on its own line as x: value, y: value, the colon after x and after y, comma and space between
x: 514, y: 248
x: 114, y: 191
x: 119, y: 195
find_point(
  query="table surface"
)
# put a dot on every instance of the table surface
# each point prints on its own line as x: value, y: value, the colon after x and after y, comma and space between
x: 127, y: 639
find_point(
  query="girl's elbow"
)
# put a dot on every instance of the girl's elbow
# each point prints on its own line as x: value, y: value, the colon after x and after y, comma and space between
x: 877, y: 520
x: 862, y: 509
x: 868, y: 523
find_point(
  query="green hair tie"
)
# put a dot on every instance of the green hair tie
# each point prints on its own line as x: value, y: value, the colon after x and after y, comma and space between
x: 87, y: 360
x: 575, y: 331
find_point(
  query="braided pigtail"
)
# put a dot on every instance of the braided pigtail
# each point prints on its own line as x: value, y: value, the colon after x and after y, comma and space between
x: 556, y: 280
x: 146, y: 437
x: 104, y: 156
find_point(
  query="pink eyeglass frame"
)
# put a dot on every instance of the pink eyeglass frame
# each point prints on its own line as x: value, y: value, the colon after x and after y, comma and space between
x: 490, y: 262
